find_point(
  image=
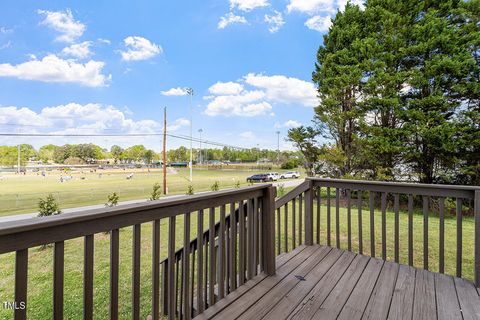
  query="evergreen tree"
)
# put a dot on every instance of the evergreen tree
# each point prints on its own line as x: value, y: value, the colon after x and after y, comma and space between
x: 338, y: 74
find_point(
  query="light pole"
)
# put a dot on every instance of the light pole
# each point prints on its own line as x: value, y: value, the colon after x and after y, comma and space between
x: 278, y: 146
x: 200, y: 158
x: 189, y: 91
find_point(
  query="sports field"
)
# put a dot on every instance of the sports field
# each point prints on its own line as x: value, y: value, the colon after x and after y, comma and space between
x: 20, y: 193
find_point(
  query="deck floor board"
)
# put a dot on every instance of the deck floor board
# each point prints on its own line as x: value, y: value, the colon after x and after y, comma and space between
x: 317, y: 282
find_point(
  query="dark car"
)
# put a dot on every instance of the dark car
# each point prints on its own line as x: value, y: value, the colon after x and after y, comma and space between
x: 259, y: 178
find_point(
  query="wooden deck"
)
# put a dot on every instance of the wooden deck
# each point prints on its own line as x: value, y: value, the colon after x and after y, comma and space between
x: 318, y: 282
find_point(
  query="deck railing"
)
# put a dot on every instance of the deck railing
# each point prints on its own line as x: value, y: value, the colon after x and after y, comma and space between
x: 239, y: 232
x: 321, y: 211
x: 213, y: 276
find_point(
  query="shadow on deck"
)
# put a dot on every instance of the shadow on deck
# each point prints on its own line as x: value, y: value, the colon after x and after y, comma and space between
x: 319, y: 282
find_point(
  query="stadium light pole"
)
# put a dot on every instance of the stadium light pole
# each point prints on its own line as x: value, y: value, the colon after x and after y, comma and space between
x: 200, y: 157
x: 189, y: 91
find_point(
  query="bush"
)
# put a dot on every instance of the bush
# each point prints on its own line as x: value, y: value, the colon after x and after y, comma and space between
x: 280, y: 191
x: 215, y: 186
x: 290, y: 164
x: 112, y: 200
x: 48, y: 206
x: 156, y: 192
x: 189, y: 190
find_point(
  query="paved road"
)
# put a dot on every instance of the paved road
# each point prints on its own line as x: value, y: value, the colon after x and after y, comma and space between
x: 286, y: 184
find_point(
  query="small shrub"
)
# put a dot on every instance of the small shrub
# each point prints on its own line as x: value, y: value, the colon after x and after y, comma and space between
x: 156, y: 192
x: 280, y: 191
x: 237, y: 184
x: 290, y: 164
x: 189, y: 190
x: 112, y: 200
x: 215, y: 186
x: 48, y: 206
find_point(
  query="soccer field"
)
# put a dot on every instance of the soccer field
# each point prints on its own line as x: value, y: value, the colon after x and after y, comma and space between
x: 20, y: 193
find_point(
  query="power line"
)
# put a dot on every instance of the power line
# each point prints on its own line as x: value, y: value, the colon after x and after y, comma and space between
x: 209, y: 142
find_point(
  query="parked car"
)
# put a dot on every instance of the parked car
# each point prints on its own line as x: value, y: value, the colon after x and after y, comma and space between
x: 273, y: 176
x: 290, y: 175
x: 262, y: 177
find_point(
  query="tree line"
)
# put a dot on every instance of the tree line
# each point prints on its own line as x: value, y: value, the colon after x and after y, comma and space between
x: 399, y: 90
x: 90, y: 153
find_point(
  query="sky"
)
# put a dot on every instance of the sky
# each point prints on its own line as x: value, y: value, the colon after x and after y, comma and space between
x: 110, y: 67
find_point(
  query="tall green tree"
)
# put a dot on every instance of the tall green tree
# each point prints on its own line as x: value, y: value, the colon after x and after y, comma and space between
x: 305, y: 139
x: 338, y: 74
x: 438, y: 65
x: 46, y: 152
x: 117, y: 153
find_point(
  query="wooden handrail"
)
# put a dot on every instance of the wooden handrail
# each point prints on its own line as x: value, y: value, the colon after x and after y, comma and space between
x: 295, y: 192
x: 253, y: 203
x: 339, y: 193
x: 33, y: 232
x: 438, y: 190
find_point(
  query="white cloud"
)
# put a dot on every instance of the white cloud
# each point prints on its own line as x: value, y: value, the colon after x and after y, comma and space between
x: 5, y: 30
x: 139, y: 48
x: 247, y: 135
x: 177, y: 124
x: 230, y: 18
x: 75, y: 118
x: 276, y: 21
x: 54, y: 69
x: 78, y: 50
x: 288, y: 124
x: 220, y: 88
x: 342, y: 3
x: 64, y: 23
x: 91, y: 118
x: 7, y: 45
x: 104, y: 41
x: 232, y: 99
x: 318, y: 23
x: 246, y: 104
x: 175, y: 92
x: 284, y: 89
x: 311, y: 6
x: 247, y: 5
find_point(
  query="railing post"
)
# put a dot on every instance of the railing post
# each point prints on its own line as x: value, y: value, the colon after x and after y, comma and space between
x: 268, y: 230
x: 309, y: 214
x: 476, y: 201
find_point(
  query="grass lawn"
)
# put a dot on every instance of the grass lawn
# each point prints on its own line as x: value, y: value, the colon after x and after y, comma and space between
x: 40, y: 261
x: 20, y: 194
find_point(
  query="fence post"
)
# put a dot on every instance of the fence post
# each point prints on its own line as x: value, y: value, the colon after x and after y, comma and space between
x: 309, y: 214
x: 476, y: 210
x: 268, y: 230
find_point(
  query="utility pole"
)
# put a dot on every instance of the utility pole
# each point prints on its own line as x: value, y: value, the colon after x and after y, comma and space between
x: 278, y: 147
x: 190, y: 93
x: 200, y: 158
x: 18, y: 159
x: 165, y: 150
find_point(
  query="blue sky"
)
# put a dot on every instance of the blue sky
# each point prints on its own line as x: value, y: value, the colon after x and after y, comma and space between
x: 110, y: 67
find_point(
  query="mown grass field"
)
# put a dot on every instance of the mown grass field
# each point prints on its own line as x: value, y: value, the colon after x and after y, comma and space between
x: 40, y: 261
x: 20, y: 193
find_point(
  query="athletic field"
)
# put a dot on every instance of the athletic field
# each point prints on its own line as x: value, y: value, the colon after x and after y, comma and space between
x: 20, y: 193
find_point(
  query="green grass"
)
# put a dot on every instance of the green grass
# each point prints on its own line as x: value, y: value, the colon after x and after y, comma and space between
x: 433, y: 237
x: 40, y: 261
x: 20, y: 194
x: 94, y: 190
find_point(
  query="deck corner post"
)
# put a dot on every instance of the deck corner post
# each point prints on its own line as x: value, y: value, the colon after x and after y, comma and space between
x: 476, y: 210
x: 309, y: 214
x: 268, y: 230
